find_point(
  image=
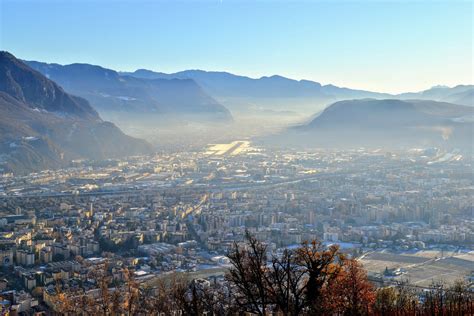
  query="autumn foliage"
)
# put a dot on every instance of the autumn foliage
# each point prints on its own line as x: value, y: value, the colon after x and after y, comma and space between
x: 309, y: 280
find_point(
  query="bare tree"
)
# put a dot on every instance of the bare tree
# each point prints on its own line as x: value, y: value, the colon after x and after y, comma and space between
x: 248, y: 276
x: 286, y: 284
x: 290, y: 284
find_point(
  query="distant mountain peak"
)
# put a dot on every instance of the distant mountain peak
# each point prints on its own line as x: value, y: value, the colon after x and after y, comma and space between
x: 439, y: 86
x: 276, y: 77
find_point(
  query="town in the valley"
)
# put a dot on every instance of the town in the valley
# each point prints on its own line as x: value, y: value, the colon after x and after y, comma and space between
x: 405, y: 215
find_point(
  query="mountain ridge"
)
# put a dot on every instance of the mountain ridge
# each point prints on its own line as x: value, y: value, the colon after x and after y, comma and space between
x: 107, y: 90
x: 199, y: 75
x: 42, y: 126
x: 16, y: 80
x: 388, y: 123
x: 328, y: 89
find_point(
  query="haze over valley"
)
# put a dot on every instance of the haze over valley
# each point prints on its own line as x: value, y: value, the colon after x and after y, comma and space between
x: 195, y: 107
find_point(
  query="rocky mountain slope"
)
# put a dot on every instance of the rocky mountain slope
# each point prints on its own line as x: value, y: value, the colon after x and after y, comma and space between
x: 42, y: 126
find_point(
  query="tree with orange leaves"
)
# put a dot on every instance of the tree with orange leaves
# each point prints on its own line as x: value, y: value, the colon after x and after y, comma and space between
x: 351, y: 293
x: 322, y: 266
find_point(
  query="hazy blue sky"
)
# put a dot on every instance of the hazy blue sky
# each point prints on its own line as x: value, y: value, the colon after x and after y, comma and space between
x: 377, y: 45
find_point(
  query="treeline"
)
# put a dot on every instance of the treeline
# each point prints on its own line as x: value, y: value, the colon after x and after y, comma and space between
x: 309, y: 280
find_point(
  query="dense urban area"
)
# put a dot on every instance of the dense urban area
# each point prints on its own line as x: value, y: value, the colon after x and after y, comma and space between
x: 405, y: 216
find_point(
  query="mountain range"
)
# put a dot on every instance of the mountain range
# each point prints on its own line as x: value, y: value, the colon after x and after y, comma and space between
x: 43, y: 123
x: 249, y: 96
x: 211, y: 93
x: 42, y: 126
x: 143, y: 101
x: 109, y: 91
x: 224, y: 84
x: 440, y: 116
x: 387, y: 123
x: 227, y: 87
x: 461, y: 94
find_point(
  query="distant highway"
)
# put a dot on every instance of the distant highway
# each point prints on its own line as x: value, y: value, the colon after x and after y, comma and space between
x: 231, y: 187
x: 215, y: 188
